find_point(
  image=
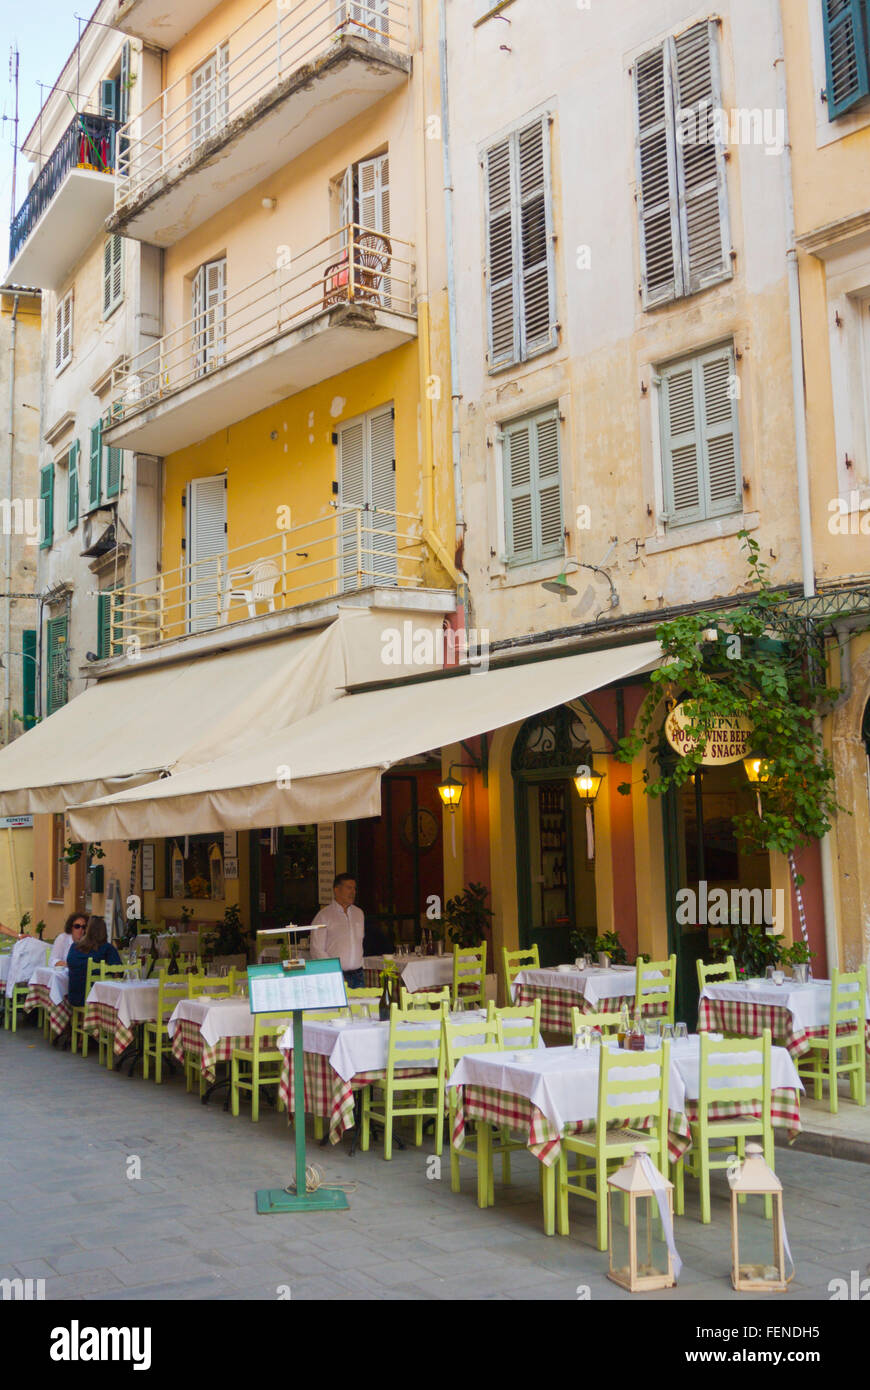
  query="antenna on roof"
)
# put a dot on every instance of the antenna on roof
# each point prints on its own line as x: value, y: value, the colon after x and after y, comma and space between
x: 13, y: 78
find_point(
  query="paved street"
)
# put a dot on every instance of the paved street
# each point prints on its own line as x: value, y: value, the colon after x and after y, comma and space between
x: 187, y: 1228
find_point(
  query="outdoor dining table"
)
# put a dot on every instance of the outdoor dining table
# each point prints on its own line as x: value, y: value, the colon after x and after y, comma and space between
x: 342, y: 1056
x: 543, y: 1094
x: 209, y: 1028
x: 591, y: 990
x: 794, y: 1013
x: 49, y: 987
x: 416, y: 972
x: 119, y: 1006
x: 5, y: 957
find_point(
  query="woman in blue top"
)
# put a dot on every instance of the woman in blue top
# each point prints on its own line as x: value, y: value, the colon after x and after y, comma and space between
x: 93, y: 946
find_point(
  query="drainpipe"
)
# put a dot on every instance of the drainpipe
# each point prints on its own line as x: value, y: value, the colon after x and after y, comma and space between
x: 455, y: 387
x: 7, y: 644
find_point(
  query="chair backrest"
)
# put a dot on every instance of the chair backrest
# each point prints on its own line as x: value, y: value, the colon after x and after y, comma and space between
x: 605, y: 1023
x: 623, y: 1094
x: 723, y: 971
x: 849, y: 1001
x: 518, y: 1025
x: 358, y: 999
x: 171, y: 989
x: 208, y: 984
x: 268, y: 1028
x: 735, y: 1070
x: 462, y: 1038
x: 113, y: 972
x: 189, y: 965
x: 416, y: 1039
x: 425, y: 998
x: 469, y: 969
x: 324, y: 1015
x: 92, y: 973
x: 655, y: 988
x: 515, y: 961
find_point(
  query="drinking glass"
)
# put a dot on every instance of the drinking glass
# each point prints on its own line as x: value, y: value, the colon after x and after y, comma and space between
x: 667, y: 1032
x: 681, y: 1030
x: 595, y: 1041
x: 582, y: 1039
x: 769, y: 972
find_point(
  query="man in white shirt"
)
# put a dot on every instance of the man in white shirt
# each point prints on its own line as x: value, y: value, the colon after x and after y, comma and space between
x: 343, y: 929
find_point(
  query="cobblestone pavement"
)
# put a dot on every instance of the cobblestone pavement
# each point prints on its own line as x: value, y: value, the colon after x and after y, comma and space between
x: 74, y: 1214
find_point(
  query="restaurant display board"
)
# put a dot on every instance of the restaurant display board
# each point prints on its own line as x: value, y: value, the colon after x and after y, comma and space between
x: 313, y: 984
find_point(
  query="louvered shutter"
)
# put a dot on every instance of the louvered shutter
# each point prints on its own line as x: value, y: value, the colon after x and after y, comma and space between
x: 58, y: 664
x: 104, y: 627
x: 537, y: 281
x: 209, y: 315
x: 721, y: 470
x: 58, y: 336
x: 656, y: 179
x: 107, y: 275
x: 124, y: 86
x: 846, y: 54
x: 95, y: 482
x: 551, y: 533
x: 345, y: 207
x: 681, y: 445
x: 382, y: 471
x: 114, y: 471
x: 46, y: 505
x: 203, y: 99
x: 113, y: 273
x: 63, y: 332
x: 519, y: 528
x: 206, y: 550
x: 700, y: 159
x: 72, y: 492
x: 28, y: 676
x: 503, y: 306
x: 373, y: 183
x: 370, y: 19
x: 352, y: 493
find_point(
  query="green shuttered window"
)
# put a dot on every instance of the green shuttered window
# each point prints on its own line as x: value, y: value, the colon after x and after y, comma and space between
x: 700, y: 445
x: 46, y: 506
x: 534, y: 529
x: 95, y: 488
x: 72, y: 487
x: 57, y: 670
x: 846, y: 54
x: 28, y: 677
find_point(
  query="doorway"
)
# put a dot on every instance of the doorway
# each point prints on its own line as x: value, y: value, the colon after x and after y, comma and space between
x: 397, y: 856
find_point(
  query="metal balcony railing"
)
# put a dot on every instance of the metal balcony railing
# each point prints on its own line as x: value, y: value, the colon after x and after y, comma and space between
x: 89, y: 142
x: 350, y: 548
x: 244, y: 67
x: 353, y: 266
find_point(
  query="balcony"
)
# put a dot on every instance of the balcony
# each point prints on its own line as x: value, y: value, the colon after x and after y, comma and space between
x: 290, y: 579
x: 266, y: 93
x: 67, y: 205
x: 346, y: 300
x: 159, y: 24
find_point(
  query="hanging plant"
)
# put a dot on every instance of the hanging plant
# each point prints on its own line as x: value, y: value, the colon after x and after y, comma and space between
x: 744, y: 672
x: 95, y: 850
x: 72, y: 852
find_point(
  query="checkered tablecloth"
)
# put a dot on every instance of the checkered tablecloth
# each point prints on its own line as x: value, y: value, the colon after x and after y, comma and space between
x: 326, y: 1093
x: 59, y: 1014
x: 188, y: 1038
x: 101, y: 1015
x: 556, y: 1005
x: 749, y: 1020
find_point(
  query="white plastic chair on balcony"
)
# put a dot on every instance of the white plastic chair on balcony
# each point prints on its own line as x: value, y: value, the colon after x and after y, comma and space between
x: 251, y: 584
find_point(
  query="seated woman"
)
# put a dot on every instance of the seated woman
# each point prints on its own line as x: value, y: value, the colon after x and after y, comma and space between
x: 93, y: 946
x: 73, y: 930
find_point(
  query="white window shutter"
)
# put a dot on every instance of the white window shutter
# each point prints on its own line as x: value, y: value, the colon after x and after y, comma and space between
x: 209, y: 85
x: 503, y: 308
x: 382, y: 464
x: 209, y: 315
x: 370, y: 19
x: 681, y: 445
x: 352, y: 493
x: 117, y: 268
x: 345, y: 205
x: 552, y: 531
x: 67, y: 326
x: 518, y: 493
x: 700, y: 159
x: 373, y: 176
x: 58, y: 336
x: 206, y: 550
x: 655, y: 155
x: 107, y: 275
x: 124, y: 87
x: 535, y: 240
x: 722, y: 460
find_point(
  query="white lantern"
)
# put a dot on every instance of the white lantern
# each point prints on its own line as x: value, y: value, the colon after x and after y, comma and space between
x: 640, y: 1218
x: 759, y: 1244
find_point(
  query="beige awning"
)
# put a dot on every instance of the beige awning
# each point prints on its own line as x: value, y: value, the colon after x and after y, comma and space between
x: 126, y: 731
x: 329, y: 765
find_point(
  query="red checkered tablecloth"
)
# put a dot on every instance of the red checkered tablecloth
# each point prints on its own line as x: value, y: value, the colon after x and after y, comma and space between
x: 556, y: 1005
x: 99, y: 1016
x: 187, y: 1038
x: 59, y: 1015
x: 326, y: 1093
x: 749, y: 1020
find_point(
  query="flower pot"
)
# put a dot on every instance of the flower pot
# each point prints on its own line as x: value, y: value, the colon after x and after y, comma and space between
x: 800, y: 973
x: 604, y: 959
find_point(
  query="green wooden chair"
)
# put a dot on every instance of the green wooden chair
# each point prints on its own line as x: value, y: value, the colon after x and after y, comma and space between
x: 258, y: 1063
x: 723, y: 972
x: 424, y: 998
x: 655, y: 987
x: 77, y: 1019
x: 614, y: 1140
x: 105, y: 1039
x: 519, y: 1026
x: 849, y: 1010
x: 156, y: 1042
x: 14, y: 1001
x: 210, y: 984
x: 362, y: 998
x: 725, y: 1078
x: 469, y: 977
x: 416, y: 1040
x: 460, y: 1039
x: 515, y: 961
x: 606, y: 1023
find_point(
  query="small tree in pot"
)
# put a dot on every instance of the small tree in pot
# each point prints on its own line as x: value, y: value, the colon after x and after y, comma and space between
x: 467, y: 917
x: 229, y: 937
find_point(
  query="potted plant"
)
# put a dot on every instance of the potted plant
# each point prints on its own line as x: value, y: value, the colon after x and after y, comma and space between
x: 23, y: 924
x: 72, y: 852
x: 40, y: 928
x: 229, y: 937
x: 753, y: 950
x: 582, y: 942
x: 467, y: 917
x: 798, y: 956
x: 610, y: 949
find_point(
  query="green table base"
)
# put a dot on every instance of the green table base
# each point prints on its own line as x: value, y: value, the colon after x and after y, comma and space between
x: 275, y: 1199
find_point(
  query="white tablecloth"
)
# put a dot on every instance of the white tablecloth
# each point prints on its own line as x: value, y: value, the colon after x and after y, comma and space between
x: 809, y: 1005
x: 135, y: 1001
x: 5, y: 958
x: 418, y: 972
x: 595, y: 985
x: 56, y: 978
x: 686, y: 1054
x: 359, y: 1044
x: 227, y: 1017
x: 25, y: 957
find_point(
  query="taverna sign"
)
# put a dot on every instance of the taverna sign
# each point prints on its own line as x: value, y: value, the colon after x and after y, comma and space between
x: 726, y: 738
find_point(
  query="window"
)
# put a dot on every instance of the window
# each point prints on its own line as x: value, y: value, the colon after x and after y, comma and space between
x: 700, y: 447
x: 114, y: 471
x: 59, y: 866
x: 109, y: 606
x: 63, y: 324
x: 46, y: 506
x: 28, y: 677
x: 364, y: 208
x: 206, y: 547
x: 681, y: 194
x: 209, y: 315
x: 367, y: 481
x: 95, y: 488
x: 72, y: 486
x: 533, y: 488
x: 113, y: 274
x: 521, y: 303
x: 57, y: 672
x: 209, y: 86
x: 847, y: 62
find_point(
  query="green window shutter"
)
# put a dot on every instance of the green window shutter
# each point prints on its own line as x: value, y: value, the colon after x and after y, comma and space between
x: 703, y: 207
x: 95, y: 480
x: 109, y: 605
x: 533, y: 489
x: 846, y: 60
x: 549, y: 479
x: 113, y: 274
x: 72, y: 492
x: 700, y: 448
x: 58, y: 664
x: 519, y: 518
x: 114, y: 471
x: 656, y: 172
x: 46, y: 505
x: 28, y: 678
x: 680, y: 445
